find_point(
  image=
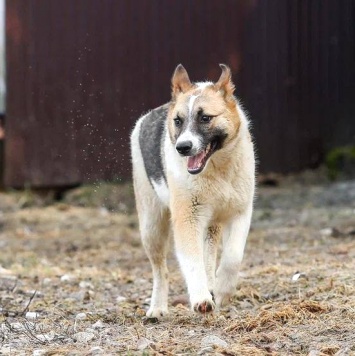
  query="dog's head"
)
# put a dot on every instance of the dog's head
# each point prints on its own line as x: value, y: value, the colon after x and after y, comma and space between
x: 202, y: 118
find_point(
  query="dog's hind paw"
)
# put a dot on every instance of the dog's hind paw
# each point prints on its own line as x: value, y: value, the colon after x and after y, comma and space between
x: 207, y: 306
x: 156, y: 312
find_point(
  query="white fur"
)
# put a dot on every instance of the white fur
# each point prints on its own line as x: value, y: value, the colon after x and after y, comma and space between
x: 203, y: 85
x: 244, y: 119
x: 197, y: 283
x: 162, y: 191
x: 175, y: 165
x: 137, y: 159
x: 188, y: 135
x: 191, y: 104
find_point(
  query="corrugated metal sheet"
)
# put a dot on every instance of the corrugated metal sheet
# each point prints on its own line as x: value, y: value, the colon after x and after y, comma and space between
x: 299, y: 80
x: 81, y: 72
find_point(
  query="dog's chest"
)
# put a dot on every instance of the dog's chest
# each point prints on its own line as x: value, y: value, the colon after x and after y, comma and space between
x: 217, y: 199
x: 223, y: 199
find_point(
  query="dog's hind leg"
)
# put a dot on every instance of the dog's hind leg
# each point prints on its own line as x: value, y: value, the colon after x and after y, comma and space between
x: 212, y: 239
x: 154, y: 227
x: 234, y: 240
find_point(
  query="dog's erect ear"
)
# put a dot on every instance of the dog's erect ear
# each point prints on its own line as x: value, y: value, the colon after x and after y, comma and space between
x: 225, y: 84
x: 180, y: 82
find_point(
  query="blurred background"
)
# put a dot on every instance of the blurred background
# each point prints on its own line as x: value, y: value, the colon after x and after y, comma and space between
x: 75, y: 75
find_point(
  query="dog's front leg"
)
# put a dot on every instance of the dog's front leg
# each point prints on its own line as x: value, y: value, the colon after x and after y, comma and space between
x: 212, y: 239
x: 234, y: 240
x: 189, y: 225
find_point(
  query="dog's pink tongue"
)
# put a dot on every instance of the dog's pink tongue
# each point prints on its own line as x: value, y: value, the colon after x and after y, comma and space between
x: 195, y: 162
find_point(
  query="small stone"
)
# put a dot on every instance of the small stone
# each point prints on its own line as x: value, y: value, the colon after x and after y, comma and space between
x: 140, y: 312
x: 78, y: 296
x: 63, y: 207
x: 103, y: 211
x: 297, y: 276
x: 86, y: 285
x: 17, y: 326
x: 46, y: 337
x: 31, y: 315
x: 120, y: 299
x: 331, y: 231
x: 325, y: 232
x: 83, y: 336
x: 5, y: 272
x: 47, y: 281
x: 143, y: 343
x: 212, y: 340
x: 89, y: 330
x: 32, y: 292
x: 39, y: 352
x: 6, y: 350
x: 96, y: 350
x: 98, y: 325
x: 86, y: 296
x: 66, y: 278
x: 80, y: 316
x: 314, y: 353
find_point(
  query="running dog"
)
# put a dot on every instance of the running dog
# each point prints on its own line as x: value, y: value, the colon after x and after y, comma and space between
x: 194, y: 179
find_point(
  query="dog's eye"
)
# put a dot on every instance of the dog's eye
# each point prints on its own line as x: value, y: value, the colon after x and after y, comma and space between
x: 178, y: 122
x: 206, y: 119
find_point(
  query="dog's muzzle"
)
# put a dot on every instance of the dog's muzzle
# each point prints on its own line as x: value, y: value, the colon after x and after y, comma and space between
x: 184, y: 148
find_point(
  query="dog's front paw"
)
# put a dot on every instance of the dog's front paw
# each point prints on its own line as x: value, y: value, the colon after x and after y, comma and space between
x: 154, y: 312
x: 204, y: 306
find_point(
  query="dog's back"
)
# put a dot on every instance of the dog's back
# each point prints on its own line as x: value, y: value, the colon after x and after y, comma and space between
x: 147, y: 144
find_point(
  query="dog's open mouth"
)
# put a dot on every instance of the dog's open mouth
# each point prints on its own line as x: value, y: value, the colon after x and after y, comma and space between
x: 195, y: 164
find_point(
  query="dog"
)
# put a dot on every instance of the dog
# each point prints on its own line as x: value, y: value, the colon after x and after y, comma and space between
x: 194, y: 179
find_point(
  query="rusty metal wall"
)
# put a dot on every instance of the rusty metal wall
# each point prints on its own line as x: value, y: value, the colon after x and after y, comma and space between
x: 80, y: 72
x: 299, y: 80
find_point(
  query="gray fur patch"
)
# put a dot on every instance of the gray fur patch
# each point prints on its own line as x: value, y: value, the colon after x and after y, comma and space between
x: 151, y: 136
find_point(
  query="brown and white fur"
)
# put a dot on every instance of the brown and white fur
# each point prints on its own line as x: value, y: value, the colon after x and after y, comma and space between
x: 194, y: 176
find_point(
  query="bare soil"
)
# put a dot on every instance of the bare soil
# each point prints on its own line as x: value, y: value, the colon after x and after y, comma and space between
x: 74, y: 279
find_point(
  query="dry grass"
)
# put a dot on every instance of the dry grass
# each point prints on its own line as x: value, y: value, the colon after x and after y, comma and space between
x: 99, y: 254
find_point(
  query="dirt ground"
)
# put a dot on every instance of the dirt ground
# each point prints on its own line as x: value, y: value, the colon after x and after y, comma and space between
x: 74, y: 279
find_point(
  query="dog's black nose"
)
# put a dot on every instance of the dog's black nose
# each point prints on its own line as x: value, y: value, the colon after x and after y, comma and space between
x: 184, y: 147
